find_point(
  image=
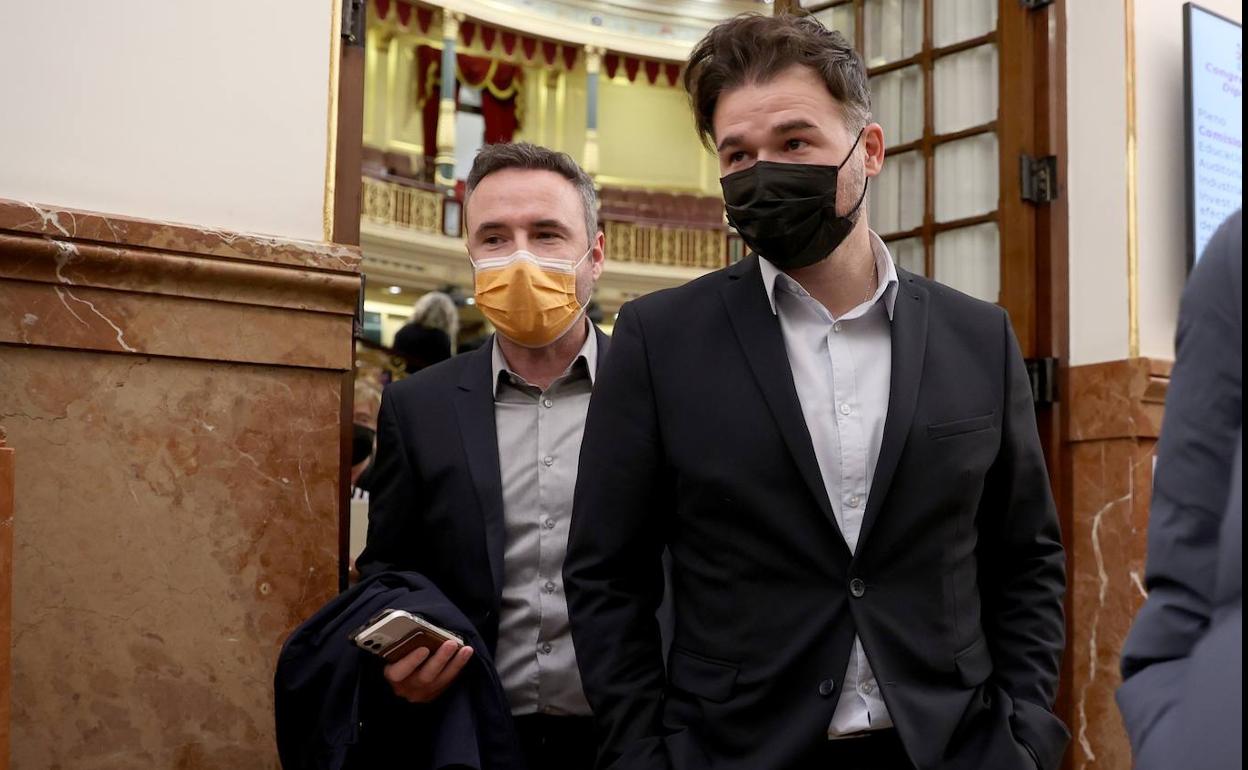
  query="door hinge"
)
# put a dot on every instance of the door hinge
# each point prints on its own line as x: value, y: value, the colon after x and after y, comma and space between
x: 1033, y: 5
x: 1038, y: 177
x: 353, y: 21
x: 1043, y: 375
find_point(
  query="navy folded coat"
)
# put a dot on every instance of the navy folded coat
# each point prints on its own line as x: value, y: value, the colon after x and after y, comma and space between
x: 334, y: 710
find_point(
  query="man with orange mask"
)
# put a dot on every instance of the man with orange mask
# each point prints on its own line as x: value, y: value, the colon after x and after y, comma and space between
x: 477, y: 456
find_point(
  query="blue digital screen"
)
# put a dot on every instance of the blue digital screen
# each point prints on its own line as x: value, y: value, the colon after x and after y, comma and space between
x: 1214, y: 69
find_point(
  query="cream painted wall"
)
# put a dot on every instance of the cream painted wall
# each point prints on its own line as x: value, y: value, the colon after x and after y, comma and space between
x: 1096, y: 107
x: 207, y: 113
x: 1159, y: 133
x: 1097, y: 171
x: 647, y: 138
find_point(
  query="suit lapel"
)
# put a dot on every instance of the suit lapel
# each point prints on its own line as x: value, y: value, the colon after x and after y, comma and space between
x: 474, y: 406
x: 758, y: 332
x: 604, y: 342
x: 909, y: 337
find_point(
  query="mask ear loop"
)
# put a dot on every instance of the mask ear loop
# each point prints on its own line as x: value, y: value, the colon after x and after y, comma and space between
x: 865, y: 180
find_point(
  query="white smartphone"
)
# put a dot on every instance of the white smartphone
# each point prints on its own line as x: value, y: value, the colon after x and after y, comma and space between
x: 392, y: 634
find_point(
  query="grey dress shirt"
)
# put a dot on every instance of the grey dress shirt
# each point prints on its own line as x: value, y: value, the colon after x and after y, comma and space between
x: 539, y: 444
x: 842, y: 369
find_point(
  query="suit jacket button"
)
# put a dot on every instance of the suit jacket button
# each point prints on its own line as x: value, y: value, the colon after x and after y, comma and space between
x: 827, y: 687
x: 857, y: 588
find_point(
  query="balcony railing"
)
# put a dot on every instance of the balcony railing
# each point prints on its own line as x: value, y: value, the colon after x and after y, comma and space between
x: 639, y: 239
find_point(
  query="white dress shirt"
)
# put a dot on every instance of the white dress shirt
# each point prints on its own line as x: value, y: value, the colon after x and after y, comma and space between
x: 842, y: 369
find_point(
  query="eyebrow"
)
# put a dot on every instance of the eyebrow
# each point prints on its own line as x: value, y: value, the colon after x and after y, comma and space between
x: 797, y: 124
x: 547, y: 224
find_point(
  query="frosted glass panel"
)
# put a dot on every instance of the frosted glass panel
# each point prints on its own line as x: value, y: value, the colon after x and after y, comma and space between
x: 966, y: 177
x: 893, y: 29
x: 840, y: 18
x: 908, y: 255
x: 969, y: 260
x: 897, y: 194
x: 897, y: 104
x: 956, y: 20
x: 965, y: 89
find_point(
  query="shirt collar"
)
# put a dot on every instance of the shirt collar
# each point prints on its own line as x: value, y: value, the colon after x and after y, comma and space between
x: 887, y: 288
x: 588, y: 354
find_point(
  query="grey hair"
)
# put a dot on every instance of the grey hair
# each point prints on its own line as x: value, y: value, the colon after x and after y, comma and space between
x: 523, y: 155
x: 436, y: 310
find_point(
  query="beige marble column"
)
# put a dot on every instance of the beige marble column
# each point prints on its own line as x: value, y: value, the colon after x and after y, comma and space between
x: 445, y: 161
x: 174, y: 396
x: 593, y: 65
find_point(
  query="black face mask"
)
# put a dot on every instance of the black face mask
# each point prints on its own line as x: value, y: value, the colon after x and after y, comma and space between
x: 361, y: 444
x: 786, y: 212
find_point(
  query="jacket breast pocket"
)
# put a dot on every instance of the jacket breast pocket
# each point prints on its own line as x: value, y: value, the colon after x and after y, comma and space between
x: 709, y: 679
x: 974, y: 663
x: 958, y: 427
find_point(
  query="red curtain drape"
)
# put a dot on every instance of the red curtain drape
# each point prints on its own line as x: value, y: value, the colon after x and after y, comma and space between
x: 500, y: 89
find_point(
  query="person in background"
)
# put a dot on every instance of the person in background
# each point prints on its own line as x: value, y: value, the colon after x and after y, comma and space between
x: 842, y: 457
x: 477, y: 456
x: 1182, y: 664
x: 429, y: 336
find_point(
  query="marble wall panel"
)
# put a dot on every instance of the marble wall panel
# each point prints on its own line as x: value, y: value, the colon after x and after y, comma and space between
x: 174, y: 399
x: 1115, y: 411
x: 178, y: 519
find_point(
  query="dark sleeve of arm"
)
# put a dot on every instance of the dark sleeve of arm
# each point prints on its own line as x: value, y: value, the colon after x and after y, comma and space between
x: 1023, y: 570
x: 1204, y: 411
x: 613, y: 572
x: 394, y: 502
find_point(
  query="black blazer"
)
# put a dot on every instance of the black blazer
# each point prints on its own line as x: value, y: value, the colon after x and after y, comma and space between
x: 1182, y: 694
x: 436, y: 505
x: 335, y: 711
x: 695, y: 440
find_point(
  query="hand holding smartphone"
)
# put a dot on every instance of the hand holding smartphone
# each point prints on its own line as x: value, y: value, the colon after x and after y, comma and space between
x: 423, y: 659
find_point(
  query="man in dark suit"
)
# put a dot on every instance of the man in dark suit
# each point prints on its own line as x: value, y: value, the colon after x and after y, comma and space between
x: 476, y: 456
x: 842, y: 458
x: 1182, y: 665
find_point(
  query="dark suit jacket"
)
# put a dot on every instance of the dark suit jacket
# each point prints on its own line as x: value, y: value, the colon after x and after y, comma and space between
x: 334, y: 710
x: 1194, y: 572
x: 695, y: 440
x: 436, y: 505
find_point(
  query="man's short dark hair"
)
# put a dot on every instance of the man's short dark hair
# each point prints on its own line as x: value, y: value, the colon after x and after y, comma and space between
x: 522, y: 155
x: 751, y: 48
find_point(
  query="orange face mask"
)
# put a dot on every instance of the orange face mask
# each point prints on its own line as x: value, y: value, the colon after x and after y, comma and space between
x: 530, y: 300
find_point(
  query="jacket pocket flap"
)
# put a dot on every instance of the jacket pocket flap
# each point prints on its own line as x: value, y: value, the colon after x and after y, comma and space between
x: 706, y: 678
x: 974, y: 663
x: 958, y: 427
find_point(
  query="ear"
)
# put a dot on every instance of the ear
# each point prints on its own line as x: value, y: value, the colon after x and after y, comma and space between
x: 598, y: 255
x: 873, y: 147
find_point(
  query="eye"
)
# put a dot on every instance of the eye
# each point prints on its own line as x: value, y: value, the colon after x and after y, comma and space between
x: 547, y: 236
x: 736, y: 157
x: 492, y: 240
x: 794, y: 144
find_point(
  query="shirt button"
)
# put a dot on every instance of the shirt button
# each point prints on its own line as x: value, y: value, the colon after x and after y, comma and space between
x: 827, y: 687
x: 550, y: 586
x: 836, y: 327
x: 548, y: 403
x: 857, y: 588
x: 549, y: 523
x: 845, y: 409
x: 545, y: 648
x: 548, y: 461
x: 854, y: 501
x: 867, y: 688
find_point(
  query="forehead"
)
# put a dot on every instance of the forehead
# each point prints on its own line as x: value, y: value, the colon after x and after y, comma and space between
x: 521, y: 195
x: 796, y: 92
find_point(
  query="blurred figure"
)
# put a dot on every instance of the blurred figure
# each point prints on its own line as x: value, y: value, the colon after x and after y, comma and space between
x: 429, y: 337
x: 1182, y: 664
